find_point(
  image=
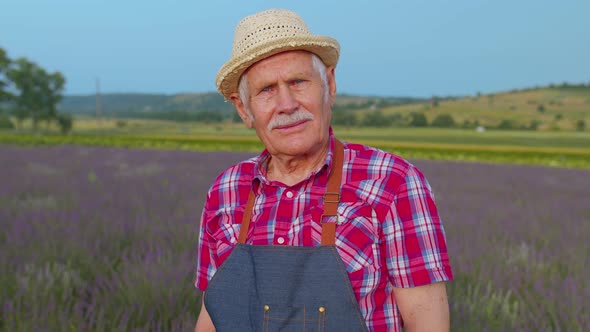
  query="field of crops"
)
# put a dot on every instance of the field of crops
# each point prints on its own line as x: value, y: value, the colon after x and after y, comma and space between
x: 558, y: 149
x: 104, y: 239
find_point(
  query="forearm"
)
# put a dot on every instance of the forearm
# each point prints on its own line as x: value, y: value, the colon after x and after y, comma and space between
x: 424, y: 308
x: 204, y: 322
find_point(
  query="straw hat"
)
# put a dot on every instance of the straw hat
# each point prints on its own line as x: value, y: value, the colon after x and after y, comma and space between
x: 267, y: 33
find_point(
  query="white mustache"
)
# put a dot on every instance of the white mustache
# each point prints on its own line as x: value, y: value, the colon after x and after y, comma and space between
x: 289, y: 119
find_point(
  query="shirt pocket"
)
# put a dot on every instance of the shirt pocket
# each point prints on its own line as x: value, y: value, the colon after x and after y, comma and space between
x: 357, y: 235
x: 225, y: 229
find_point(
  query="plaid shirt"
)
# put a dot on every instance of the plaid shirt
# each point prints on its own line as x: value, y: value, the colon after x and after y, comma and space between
x: 388, y: 234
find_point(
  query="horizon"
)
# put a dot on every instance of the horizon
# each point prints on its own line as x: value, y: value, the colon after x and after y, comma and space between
x: 512, y: 90
x: 415, y: 50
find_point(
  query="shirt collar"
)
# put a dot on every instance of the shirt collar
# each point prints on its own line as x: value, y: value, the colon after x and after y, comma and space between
x: 261, y: 162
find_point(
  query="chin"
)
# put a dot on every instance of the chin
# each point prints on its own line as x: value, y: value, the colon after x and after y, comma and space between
x: 296, y: 148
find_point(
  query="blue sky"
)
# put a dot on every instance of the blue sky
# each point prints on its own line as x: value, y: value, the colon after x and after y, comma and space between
x: 389, y: 48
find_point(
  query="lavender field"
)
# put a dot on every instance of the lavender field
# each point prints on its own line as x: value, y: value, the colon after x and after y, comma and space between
x: 104, y: 239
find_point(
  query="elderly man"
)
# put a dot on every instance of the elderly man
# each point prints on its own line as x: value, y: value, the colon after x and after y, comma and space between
x: 313, y: 234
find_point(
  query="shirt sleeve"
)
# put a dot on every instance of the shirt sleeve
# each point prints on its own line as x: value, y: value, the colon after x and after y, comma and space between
x: 414, y: 235
x: 206, y: 261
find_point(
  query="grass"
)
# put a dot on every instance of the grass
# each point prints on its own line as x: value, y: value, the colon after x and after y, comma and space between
x: 558, y: 149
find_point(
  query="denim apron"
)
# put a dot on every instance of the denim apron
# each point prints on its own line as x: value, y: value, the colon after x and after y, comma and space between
x: 286, y: 288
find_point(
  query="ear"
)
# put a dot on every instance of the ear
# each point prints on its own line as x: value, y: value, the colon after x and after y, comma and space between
x: 241, y: 108
x: 331, y: 78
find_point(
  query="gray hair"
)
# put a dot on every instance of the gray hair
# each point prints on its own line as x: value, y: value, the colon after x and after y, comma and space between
x: 318, y: 66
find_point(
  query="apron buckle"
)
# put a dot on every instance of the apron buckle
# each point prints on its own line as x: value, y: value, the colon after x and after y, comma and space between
x: 338, y: 222
x: 336, y: 200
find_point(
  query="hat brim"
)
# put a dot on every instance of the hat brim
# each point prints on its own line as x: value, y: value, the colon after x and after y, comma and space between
x: 229, y: 75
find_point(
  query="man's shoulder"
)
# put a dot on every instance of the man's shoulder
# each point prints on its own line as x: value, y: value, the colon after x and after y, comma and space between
x: 376, y: 161
x: 236, y: 175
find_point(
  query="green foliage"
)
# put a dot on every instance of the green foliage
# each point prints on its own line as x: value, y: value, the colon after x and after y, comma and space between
x: 376, y: 119
x: 506, y: 125
x: 434, y: 101
x: 4, y: 64
x: 541, y: 108
x: 418, y: 119
x: 38, y: 92
x: 534, y: 125
x: 65, y: 122
x: 580, y: 125
x: 209, y: 117
x: 469, y: 124
x: 180, y: 116
x: 482, y: 302
x: 5, y: 122
x: 236, y: 117
x: 443, y: 121
x: 142, y: 104
x: 344, y: 118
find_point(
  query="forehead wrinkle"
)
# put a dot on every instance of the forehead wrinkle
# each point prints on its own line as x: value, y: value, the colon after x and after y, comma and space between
x: 278, y: 66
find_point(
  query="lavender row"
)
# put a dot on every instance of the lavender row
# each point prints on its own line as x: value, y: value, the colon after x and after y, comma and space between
x: 100, y: 239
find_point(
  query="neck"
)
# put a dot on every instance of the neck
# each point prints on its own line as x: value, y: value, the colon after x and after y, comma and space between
x: 293, y: 169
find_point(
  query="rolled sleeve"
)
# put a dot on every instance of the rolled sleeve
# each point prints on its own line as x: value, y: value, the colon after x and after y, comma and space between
x: 206, y: 260
x: 414, y: 235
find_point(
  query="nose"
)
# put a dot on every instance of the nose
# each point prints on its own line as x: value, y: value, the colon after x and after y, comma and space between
x: 287, y: 102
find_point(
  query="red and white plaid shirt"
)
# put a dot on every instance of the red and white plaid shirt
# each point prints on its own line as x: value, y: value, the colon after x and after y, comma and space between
x: 388, y: 234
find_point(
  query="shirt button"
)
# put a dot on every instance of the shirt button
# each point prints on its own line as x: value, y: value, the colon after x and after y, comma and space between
x: 289, y: 194
x: 281, y: 240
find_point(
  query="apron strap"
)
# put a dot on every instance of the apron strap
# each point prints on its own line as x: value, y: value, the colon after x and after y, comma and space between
x: 331, y: 200
x: 246, y: 219
x: 332, y: 196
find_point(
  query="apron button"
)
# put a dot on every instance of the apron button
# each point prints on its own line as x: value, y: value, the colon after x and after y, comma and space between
x: 322, y: 309
x: 266, y: 308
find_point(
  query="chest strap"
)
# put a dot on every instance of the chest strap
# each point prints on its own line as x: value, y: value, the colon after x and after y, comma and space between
x: 331, y: 199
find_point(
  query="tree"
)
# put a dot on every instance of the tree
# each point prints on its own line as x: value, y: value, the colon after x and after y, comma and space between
x: 4, y: 65
x: 506, y: 124
x: 434, y: 101
x: 418, y: 120
x: 580, y: 125
x: 443, y: 121
x: 376, y: 119
x: 53, y: 85
x: 65, y: 122
x: 344, y: 118
x: 38, y: 92
x: 5, y: 122
x: 534, y: 125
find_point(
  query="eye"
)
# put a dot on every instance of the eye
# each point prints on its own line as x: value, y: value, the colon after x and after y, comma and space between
x: 299, y: 82
x: 266, y: 89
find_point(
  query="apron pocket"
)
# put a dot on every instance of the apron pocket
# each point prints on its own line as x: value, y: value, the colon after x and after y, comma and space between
x: 285, y: 318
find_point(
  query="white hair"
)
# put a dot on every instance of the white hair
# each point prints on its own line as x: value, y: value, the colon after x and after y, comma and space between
x: 318, y: 66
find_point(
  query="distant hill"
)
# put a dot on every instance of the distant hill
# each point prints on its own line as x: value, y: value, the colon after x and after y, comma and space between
x: 138, y: 103
x: 545, y: 108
